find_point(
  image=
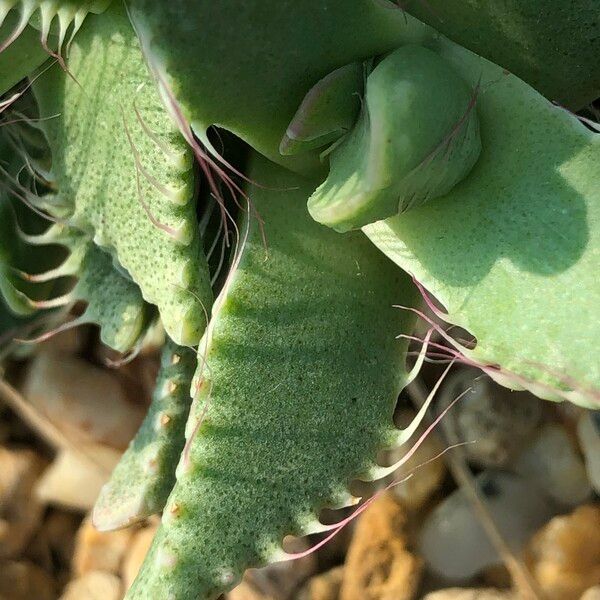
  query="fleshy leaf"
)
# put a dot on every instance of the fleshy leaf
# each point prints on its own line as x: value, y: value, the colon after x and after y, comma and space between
x: 247, y: 65
x: 38, y: 262
x: 296, y: 389
x: 328, y: 111
x: 551, y: 44
x: 123, y: 172
x: 417, y: 137
x: 144, y: 478
x: 513, y: 251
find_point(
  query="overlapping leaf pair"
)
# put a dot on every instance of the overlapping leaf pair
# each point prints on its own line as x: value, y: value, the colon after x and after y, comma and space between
x: 461, y: 173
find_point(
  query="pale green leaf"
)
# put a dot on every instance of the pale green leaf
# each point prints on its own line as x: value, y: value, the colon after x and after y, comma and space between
x: 297, y: 383
x: 142, y: 481
x: 247, y: 65
x: 416, y: 138
x: 123, y: 172
x: 513, y: 251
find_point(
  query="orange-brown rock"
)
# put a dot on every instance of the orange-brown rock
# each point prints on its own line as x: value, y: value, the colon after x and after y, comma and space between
x: 20, y: 511
x: 84, y: 402
x: 564, y: 556
x: 136, y: 553
x: 379, y: 565
x: 25, y: 581
x: 95, y: 585
x: 326, y: 586
x: 96, y: 551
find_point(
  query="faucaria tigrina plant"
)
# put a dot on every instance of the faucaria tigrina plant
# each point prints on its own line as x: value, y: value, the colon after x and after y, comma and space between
x: 387, y: 165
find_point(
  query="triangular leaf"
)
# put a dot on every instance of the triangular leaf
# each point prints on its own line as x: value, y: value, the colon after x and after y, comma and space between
x: 513, y: 251
x: 142, y: 481
x: 246, y: 66
x: 123, y: 172
x: 296, y: 386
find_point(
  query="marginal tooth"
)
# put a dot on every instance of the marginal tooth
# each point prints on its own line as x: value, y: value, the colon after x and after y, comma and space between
x: 66, y: 16
x: 343, y: 500
x: 78, y: 20
x: 69, y: 268
x: 53, y: 235
x: 28, y: 7
x: 315, y: 526
x: 58, y: 302
x: 377, y: 472
x: 414, y: 372
x: 5, y: 7
x: 47, y: 14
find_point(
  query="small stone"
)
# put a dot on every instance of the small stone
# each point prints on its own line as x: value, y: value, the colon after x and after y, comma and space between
x: 428, y: 474
x: 96, y: 551
x: 588, y: 431
x: 497, y: 576
x: 592, y: 593
x: 552, y: 462
x: 247, y: 591
x: 495, y: 421
x: 20, y: 511
x: 453, y: 541
x: 564, y: 556
x: 470, y: 594
x: 94, y: 585
x: 25, y: 581
x: 136, y: 553
x: 378, y: 565
x: 59, y: 530
x: 326, y: 586
x: 70, y: 341
x: 85, y: 402
x: 279, y: 581
x: 75, y: 479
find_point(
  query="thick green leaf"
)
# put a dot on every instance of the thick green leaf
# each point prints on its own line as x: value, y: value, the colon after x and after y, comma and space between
x: 551, y: 44
x: 409, y: 146
x: 328, y: 111
x: 144, y: 478
x: 297, y: 382
x: 37, y: 260
x: 247, y: 65
x: 512, y: 252
x: 123, y: 172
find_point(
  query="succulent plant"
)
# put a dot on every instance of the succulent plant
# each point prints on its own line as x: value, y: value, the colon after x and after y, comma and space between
x: 382, y: 165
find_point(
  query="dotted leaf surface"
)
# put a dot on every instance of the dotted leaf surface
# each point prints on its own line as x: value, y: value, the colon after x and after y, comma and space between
x: 513, y: 251
x: 123, y: 172
x: 297, y: 385
x: 144, y: 478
